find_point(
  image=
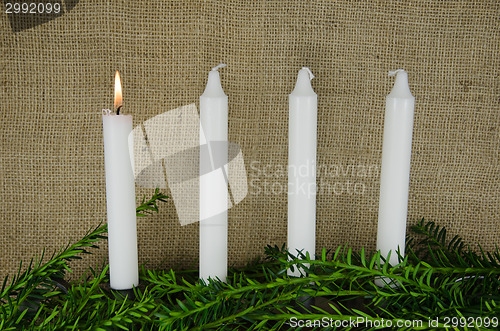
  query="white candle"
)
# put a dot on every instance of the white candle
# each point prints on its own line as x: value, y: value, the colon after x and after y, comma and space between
x: 213, y: 183
x: 395, y: 173
x: 120, y: 196
x: 302, y: 168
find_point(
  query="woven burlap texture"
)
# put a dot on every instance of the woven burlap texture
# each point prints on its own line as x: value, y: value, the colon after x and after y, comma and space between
x: 56, y: 77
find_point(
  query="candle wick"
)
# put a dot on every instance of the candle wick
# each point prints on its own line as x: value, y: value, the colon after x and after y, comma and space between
x: 118, y: 109
x: 222, y: 65
x: 393, y: 73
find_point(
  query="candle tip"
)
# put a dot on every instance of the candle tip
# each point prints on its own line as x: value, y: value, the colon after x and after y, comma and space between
x: 395, y: 72
x: 214, y: 87
x: 311, y: 76
x: 303, y: 84
x: 401, y: 87
x: 217, y: 67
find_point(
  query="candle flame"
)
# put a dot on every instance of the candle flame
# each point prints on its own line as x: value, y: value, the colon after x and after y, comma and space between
x: 118, y: 90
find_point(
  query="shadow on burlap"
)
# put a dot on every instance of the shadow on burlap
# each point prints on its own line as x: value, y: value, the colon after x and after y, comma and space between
x: 56, y: 77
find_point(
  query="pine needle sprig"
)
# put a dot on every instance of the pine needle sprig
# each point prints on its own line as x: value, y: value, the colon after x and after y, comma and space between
x: 245, y: 300
x: 436, y: 278
x: 434, y: 248
x: 32, y: 294
x: 38, y: 282
x: 149, y: 207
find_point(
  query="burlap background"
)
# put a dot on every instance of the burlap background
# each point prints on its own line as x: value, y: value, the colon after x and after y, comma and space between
x: 55, y: 79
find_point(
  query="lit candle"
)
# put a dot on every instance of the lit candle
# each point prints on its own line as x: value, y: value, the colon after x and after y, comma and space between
x: 120, y: 196
x: 395, y: 172
x: 213, y: 179
x: 303, y: 111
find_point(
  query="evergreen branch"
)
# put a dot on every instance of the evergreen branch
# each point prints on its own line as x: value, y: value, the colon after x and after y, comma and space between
x: 437, y: 278
x: 149, y: 207
x: 435, y: 249
x: 37, y: 283
x: 32, y: 294
x: 421, y: 284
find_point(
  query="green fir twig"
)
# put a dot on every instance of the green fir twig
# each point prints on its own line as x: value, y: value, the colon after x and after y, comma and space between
x: 149, y: 207
x: 34, y: 291
x: 438, y: 279
x: 37, y: 284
